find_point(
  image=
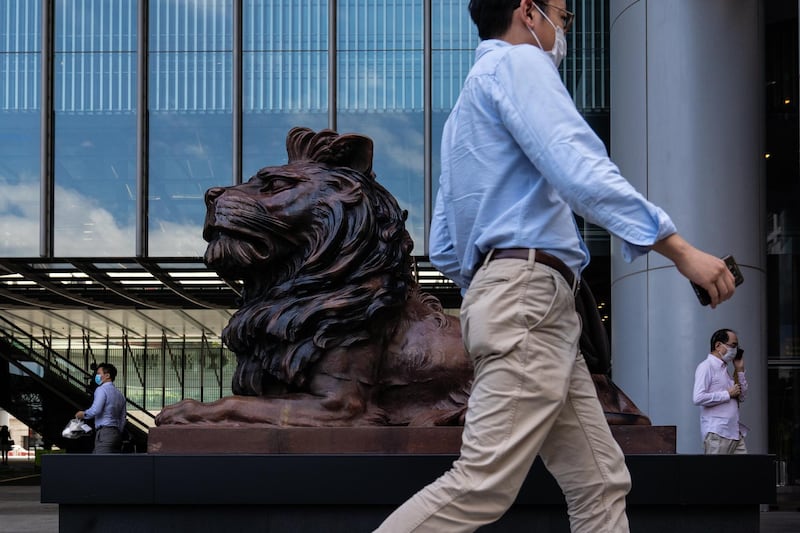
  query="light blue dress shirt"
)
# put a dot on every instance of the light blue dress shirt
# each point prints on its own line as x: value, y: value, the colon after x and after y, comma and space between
x: 108, y: 407
x: 517, y: 160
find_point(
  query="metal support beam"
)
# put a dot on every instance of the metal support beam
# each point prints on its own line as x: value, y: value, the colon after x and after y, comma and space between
x: 332, y: 76
x: 427, y: 179
x: 142, y: 133
x: 237, y: 92
x: 47, y: 136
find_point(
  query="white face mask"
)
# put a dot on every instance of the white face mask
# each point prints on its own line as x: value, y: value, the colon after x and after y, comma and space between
x: 559, y: 50
x: 729, y: 354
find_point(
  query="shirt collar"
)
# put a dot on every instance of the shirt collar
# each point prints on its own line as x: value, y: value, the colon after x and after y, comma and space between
x: 721, y: 363
x: 488, y: 45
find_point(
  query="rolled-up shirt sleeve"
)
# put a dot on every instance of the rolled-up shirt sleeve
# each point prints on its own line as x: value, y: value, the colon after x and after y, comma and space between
x: 571, y: 156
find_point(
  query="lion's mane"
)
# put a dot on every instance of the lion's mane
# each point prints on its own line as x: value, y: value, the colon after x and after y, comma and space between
x: 344, y: 283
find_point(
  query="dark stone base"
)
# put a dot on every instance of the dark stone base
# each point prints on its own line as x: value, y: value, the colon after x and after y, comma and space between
x: 357, y: 519
x: 353, y: 493
x: 385, y: 440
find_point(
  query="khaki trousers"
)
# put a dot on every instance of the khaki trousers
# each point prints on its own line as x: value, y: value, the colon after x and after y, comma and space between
x: 715, y: 444
x: 532, y: 395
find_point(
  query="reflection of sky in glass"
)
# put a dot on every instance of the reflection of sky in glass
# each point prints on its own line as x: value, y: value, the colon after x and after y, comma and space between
x: 285, y: 84
x: 188, y: 154
x: 190, y: 118
x: 95, y: 127
x: 19, y: 128
x: 19, y: 183
x: 264, y: 137
x: 398, y: 161
x: 381, y: 75
x: 95, y: 195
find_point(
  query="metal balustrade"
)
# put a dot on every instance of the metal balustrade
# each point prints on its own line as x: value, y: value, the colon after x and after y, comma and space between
x: 151, y: 373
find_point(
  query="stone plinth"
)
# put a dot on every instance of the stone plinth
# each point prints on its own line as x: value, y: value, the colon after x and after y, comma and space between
x: 342, y: 493
x: 383, y: 440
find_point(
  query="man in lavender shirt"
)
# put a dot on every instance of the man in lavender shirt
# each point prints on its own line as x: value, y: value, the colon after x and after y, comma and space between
x: 108, y: 410
x: 718, y: 395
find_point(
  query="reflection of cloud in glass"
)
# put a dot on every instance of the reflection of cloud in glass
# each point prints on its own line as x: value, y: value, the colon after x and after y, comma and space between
x: 195, y: 150
x: 169, y: 239
x: 400, y: 141
x: 83, y: 228
x: 19, y: 219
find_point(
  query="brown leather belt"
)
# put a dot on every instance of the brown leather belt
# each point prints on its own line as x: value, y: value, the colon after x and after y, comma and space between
x: 541, y: 257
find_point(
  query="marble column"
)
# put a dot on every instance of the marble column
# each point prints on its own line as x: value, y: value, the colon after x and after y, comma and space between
x: 687, y: 129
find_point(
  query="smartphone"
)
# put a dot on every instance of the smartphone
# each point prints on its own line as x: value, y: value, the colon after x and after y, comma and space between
x: 738, y: 279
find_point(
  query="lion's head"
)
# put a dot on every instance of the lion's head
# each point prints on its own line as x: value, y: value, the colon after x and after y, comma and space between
x: 322, y: 250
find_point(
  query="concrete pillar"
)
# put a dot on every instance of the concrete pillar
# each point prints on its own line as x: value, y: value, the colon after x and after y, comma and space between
x: 687, y: 125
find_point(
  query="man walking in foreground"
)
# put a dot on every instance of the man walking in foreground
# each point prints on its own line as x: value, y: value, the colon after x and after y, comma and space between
x: 517, y: 161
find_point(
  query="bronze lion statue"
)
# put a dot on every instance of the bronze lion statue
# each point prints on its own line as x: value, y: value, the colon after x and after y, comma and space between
x: 333, y: 329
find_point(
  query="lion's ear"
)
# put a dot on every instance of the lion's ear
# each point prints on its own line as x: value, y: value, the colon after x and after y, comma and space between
x: 327, y: 146
x: 352, y: 151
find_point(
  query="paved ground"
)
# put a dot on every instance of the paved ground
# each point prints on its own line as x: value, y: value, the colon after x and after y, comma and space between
x: 22, y: 512
x: 20, y: 507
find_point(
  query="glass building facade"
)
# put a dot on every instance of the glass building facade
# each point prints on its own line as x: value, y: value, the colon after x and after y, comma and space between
x: 783, y: 236
x: 117, y: 115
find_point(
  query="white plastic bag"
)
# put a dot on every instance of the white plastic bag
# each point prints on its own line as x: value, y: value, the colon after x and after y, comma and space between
x: 76, y: 428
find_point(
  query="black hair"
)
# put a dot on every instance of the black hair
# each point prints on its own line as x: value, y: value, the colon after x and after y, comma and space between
x: 493, y: 17
x: 721, y: 335
x: 109, y: 369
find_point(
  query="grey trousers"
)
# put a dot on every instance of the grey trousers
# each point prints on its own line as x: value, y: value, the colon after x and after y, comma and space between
x: 107, y: 439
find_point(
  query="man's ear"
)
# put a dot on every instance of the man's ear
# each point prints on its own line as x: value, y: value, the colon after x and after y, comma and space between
x: 528, y: 9
x: 529, y: 12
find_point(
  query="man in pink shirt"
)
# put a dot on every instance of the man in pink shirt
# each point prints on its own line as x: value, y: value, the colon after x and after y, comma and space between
x: 718, y: 395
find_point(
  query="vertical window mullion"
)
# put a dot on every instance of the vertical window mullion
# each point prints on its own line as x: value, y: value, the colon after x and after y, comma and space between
x: 142, y: 128
x: 47, y: 139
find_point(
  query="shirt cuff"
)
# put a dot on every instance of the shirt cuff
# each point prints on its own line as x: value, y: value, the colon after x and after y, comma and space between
x: 666, y: 227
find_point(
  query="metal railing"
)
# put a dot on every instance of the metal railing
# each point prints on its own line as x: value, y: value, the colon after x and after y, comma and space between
x: 152, y: 372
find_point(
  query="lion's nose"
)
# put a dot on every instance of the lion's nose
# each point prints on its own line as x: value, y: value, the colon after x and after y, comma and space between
x: 213, y: 193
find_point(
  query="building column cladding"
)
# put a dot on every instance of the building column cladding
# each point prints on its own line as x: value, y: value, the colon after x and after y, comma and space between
x: 687, y: 129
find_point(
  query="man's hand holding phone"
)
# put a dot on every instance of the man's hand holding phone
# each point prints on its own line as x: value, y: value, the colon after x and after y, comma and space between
x: 709, y: 272
x: 733, y: 268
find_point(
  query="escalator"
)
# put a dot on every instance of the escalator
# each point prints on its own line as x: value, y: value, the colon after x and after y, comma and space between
x: 44, y: 390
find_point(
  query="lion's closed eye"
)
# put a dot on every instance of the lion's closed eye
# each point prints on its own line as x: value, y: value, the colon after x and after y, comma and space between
x: 276, y: 184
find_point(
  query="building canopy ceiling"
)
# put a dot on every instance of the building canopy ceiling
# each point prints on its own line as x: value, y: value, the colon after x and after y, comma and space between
x: 136, y: 298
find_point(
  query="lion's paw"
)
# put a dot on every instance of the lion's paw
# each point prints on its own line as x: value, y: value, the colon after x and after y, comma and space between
x: 183, y: 412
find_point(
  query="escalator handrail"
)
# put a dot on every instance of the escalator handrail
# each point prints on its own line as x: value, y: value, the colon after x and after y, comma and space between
x: 65, y: 375
x: 86, y: 375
